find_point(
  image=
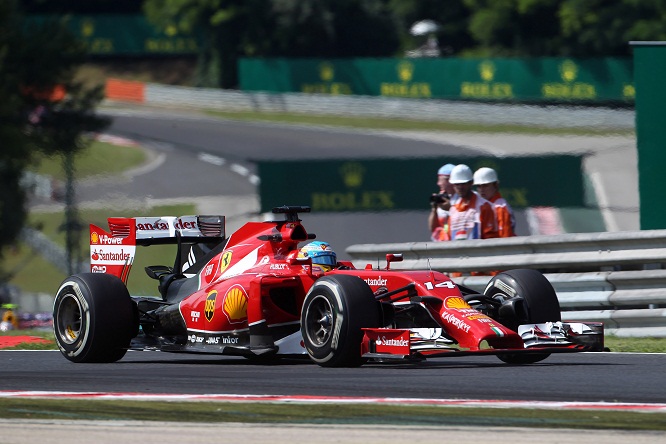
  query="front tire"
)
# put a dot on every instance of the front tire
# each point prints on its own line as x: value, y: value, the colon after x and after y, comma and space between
x: 334, y: 311
x: 527, y: 298
x: 94, y: 318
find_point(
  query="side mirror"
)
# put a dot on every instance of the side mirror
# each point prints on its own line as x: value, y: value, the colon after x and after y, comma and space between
x: 393, y: 257
x: 293, y: 259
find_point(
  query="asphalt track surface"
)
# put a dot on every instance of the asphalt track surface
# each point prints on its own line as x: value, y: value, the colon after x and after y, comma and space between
x: 583, y: 377
x: 580, y: 377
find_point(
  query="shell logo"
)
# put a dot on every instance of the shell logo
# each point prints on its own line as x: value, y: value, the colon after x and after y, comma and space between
x: 225, y: 261
x: 456, y: 302
x: 94, y: 238
x: 235, y: 304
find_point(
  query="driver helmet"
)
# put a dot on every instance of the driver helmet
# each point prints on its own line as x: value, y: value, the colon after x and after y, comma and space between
x: 321, y: 253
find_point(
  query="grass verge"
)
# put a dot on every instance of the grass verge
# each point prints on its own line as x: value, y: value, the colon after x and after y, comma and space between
x: 414, y: 125
x: 100, y: 158
x: 216, y: 412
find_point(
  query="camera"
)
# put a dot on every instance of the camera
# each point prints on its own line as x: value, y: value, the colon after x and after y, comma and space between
x: 438, y: 198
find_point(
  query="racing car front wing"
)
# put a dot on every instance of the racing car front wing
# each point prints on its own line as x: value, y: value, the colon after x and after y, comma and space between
x: 420, y: 343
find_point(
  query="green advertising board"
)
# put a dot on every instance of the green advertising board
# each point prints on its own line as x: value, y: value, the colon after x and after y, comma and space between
x: 650, y: 67
x: 531, y: 80
x: 122, y: 34
x: 361, y: 185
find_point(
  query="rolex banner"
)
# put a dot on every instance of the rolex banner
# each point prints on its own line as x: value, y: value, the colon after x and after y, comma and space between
x: 126, y: 34
x: 361, y: 185
x: 545, y: 79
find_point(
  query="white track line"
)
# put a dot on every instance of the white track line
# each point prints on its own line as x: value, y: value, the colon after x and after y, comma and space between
x: 568, y: 405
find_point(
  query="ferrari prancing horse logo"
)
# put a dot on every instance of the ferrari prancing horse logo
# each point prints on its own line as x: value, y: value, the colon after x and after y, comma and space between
x: 225, y: 261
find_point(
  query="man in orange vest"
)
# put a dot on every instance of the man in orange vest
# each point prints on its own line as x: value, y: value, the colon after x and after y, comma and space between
x: 470, y: 216
x: 487, y: 185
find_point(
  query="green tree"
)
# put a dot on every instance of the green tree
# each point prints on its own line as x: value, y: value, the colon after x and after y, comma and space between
x: 515, y: 27
x: 230, y: 29
x: 565, y: 28
x: 605, y: 27
x: 222, y: 26
x: 35, y: 64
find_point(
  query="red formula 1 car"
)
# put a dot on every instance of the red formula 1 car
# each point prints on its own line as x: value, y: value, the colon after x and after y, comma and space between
x: 252, y: 295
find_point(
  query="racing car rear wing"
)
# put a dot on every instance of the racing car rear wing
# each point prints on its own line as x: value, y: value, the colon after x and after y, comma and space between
x: 168, y: 229
x: 113, y: 252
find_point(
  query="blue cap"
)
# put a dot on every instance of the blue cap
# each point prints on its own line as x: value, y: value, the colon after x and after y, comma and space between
x: 445, y: 170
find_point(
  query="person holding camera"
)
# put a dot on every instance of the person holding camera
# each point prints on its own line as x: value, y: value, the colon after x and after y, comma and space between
x: 439, y: 205
x: 487, y: 185
x: 470, y: 215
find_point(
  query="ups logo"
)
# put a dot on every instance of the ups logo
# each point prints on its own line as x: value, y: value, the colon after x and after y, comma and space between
x: 209, y: 309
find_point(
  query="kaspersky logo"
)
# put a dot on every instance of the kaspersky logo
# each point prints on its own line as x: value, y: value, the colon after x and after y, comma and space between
x: 352, y: 174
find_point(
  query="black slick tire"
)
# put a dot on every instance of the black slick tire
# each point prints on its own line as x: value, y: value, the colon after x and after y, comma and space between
x: 94, y: 318
x: 538, y: 304
x: 335, y: 310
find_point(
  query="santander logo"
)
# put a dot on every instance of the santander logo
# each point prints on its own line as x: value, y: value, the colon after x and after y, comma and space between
x: 160, y: 225
x: 392, y: 342
x: 376, y: 282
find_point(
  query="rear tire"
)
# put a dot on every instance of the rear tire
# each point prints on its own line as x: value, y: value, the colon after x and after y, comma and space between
x: 94, y: 318
x: 533, y: 301
x: 334, y: 311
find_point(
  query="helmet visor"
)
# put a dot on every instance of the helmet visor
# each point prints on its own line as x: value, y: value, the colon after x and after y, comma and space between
x: 324, y: 258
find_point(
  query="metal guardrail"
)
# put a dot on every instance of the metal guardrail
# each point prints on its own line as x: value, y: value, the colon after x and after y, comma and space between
x: 615, y: 278
x: 370, y: 106
x: 572, y: 252
x: 51, y: 251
